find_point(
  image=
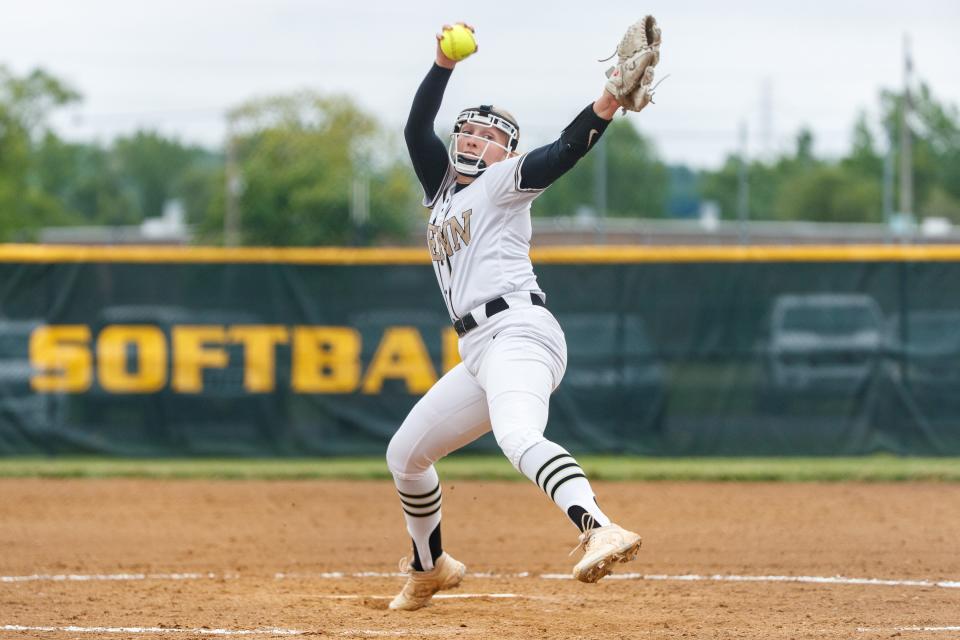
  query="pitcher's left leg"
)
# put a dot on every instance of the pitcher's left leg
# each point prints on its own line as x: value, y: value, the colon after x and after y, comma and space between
x: 518, y: 378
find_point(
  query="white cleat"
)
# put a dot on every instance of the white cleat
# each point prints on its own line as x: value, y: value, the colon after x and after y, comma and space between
x: 602, y: 548
x: 447, y: 573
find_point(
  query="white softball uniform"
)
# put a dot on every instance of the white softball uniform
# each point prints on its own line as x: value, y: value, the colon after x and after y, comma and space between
x: 514, y: 353
x: 479, y: 240
x: 479, y: 237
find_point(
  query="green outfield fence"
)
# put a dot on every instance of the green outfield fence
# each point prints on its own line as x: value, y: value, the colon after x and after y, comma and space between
x: 718, y: 351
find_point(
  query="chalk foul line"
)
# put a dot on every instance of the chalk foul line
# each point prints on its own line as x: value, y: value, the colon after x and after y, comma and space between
x: 439, y: 596
x: 91, y: 577
x: 687, y: 577
x: 888, y: 629
x: 692, y: 577
x: 205, y: 631
x: 333, y: 575
x: 158, y: 630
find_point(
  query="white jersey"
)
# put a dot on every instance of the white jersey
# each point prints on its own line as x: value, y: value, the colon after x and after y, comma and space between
x: 479, y: 237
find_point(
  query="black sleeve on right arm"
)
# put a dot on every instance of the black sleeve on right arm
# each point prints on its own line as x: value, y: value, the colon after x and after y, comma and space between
x: 427, y: 151
x: 544, y: 165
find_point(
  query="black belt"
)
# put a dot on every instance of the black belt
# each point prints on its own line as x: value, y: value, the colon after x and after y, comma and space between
x: 495, y: 306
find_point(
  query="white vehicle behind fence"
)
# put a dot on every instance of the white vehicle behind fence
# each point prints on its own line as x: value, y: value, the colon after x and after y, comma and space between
x: 925, y: 351
x: 824, y: 341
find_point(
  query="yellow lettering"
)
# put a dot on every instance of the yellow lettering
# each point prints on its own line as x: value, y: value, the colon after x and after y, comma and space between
x: 451, y: 348
x: 62, y: 354
x: 259, y: 354
x: 401, y: 355
x: 192, y: 355
x: 326, y: 359
x: 151, y: 370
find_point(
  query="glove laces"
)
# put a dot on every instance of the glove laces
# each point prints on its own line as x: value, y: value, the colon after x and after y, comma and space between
x: 646, y: 47
x: 609, y: 57
x: 654, y: 88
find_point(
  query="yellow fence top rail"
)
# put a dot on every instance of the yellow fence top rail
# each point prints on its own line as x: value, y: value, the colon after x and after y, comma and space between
x: 38, y: 253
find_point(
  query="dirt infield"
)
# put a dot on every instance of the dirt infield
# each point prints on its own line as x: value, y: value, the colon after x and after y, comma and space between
x: 183, y: 559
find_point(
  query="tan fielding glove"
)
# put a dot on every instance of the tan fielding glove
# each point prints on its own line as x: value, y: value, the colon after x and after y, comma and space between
x: 630, y: 81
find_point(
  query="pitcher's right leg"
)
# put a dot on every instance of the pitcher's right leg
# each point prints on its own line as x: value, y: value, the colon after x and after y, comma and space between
x: 452, y: 414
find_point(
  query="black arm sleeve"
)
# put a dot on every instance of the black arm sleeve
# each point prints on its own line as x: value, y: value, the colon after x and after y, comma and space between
x: 542, y: 166
x: 427, y: 151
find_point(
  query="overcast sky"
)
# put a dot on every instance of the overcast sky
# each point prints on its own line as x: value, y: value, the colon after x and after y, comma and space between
x: 176, y: 66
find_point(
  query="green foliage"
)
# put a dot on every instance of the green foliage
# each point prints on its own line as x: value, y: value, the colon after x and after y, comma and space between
x: 25, y: 105
x: 936, y: 150
x: 155, y: 167
x: 721, y: 187
x: 637, y: 181
x: 829, y: 193
x: 799, y: 186
x: 200, y: 189
x: 85, y: 181
x: 27, y: 102
x: 802, y: 187
x: 46, y: 181
x: 863, y: 159
x: 299, y: 156
x: 128, y: 181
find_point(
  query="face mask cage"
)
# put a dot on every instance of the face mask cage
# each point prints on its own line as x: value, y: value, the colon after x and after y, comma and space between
x: 472, y: 165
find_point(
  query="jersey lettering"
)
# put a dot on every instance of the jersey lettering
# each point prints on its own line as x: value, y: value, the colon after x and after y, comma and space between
x: 458, y: 232
x: 434, y: 242
x: 444, y: 240
x: 479, y: 238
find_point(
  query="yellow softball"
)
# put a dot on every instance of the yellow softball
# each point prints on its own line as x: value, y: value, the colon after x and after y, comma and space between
x: 458, y: 42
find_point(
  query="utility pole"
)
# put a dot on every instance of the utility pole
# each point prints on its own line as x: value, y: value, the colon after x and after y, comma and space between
x: 743, y: 187
x: 360, y: 163
x: 906, y: 139
x: 766, y: 118
x: 360, y: 205
x: 231, y: 217
x: 600, y: 190
x: 888, y: 170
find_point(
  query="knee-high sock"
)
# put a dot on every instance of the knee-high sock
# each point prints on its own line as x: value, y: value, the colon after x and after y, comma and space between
x: 420, y: 498
x: 555, y: 471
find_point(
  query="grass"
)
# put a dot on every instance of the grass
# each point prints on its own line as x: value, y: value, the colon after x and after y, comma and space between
x: 877, y: 468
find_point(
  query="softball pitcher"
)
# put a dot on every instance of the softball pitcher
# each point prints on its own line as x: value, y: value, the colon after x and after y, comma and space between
x: 479, y: 190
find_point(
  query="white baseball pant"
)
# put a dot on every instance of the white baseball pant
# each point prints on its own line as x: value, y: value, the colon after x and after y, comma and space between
x: 511, y: 365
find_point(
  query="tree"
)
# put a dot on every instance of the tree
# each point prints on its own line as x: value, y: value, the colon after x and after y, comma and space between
x: 804, y: 153
x: 299, y: 156
x: 45, y: 181
x: 155, y: 167
x: 935, y: 130
x: 25, y: 106
x: 722, y: 186
x: 829, y: 193
x: 637, y: 181
x: 863, y: 158
x: 82, y: 178
x: 200, y: 189
x: 128, y: 181
x: 799, y: 186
